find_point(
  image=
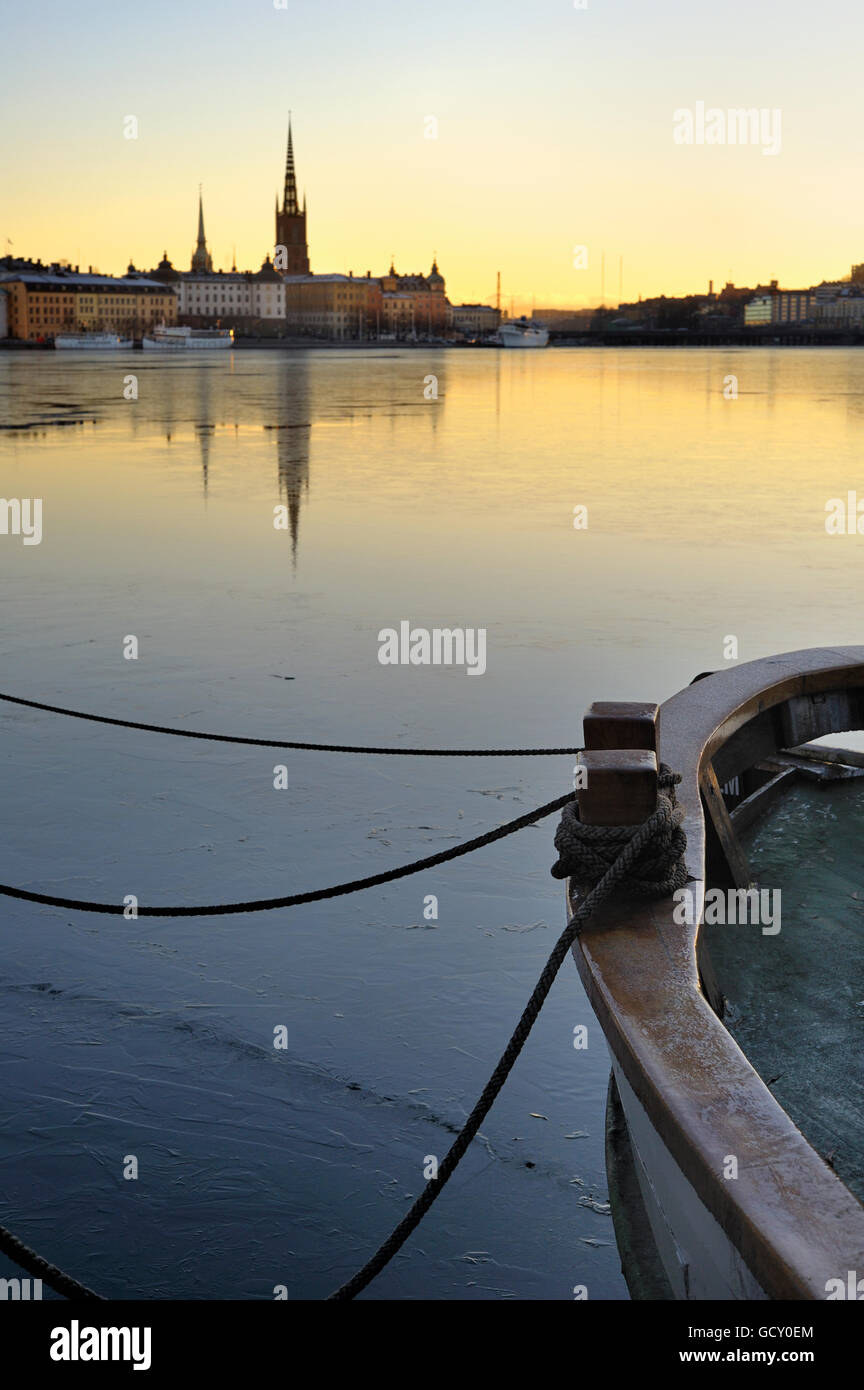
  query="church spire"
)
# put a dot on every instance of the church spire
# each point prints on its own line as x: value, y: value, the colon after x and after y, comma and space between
x: 201, y: 259
x: 292, y: 248
x: 290, y: 203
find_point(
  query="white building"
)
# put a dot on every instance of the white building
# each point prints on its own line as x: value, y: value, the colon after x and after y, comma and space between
x: 783, y: 306
x: 226, y: 298
x: 839, y: 306
x: 760, y: 309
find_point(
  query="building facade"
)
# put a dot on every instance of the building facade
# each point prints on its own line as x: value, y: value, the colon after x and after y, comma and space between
x: 476, y: 320
x: 759, y: 310
x: 41, y: 305
x: 415, y: 306
x: 333, y: 306
x: 248, y: 301
x: 357, y: 307
x: 781, y: 307
x: 839, y: 306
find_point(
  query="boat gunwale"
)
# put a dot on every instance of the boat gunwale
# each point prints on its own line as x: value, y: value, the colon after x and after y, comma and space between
x: 790, y: 1218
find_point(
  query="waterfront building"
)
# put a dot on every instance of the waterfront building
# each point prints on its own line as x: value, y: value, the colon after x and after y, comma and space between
x: 415, y: 305
x: 839, y: 306
x: 333, y: 306
x: 759, y: 310
x: 248, y: 301
x: 354, y: 306
x: 291, y: 237
x: 780, y: 307
x: 61, y: 300
x: 476, y: 320
x: 792, y: 306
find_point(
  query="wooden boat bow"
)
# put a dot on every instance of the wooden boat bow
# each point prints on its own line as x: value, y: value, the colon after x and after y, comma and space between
x: 787, y: 1224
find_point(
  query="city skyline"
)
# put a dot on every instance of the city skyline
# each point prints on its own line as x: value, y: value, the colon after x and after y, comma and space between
x: 551, y: 134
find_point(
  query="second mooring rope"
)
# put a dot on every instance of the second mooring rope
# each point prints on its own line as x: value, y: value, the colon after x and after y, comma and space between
x: 287, y: 743
x: 314, y: 895
x: 655, y: 839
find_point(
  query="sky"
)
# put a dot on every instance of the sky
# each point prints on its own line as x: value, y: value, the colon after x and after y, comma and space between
x: 555, y: 131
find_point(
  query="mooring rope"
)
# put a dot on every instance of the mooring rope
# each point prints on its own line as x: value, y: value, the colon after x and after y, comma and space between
x: 654, y: 839
x: 295, y: 899
x: 653, y: 832
x: 287, y: 743
x: 55, y: 1278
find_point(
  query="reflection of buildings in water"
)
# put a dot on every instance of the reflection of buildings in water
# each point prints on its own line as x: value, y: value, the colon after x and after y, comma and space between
x: 436, y: 404
x: 167, y: 400
x: 854, y: 392
x: 293, y: 428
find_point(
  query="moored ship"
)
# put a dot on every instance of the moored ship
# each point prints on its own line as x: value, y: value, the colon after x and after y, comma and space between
x: 102, y: 342
x: 522, y: 333
x: 184, y: 339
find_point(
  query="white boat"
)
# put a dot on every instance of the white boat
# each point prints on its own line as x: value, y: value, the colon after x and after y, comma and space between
x: 522, y: 333
x: 101, y: 341
x: 184, y: 339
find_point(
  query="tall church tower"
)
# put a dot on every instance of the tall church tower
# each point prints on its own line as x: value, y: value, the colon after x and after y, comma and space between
x: 291, y: 222
x: 201, y: 258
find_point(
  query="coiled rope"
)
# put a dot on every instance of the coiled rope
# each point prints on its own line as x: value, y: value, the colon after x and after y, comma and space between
x: 287, y: 743
x: 587, y: 851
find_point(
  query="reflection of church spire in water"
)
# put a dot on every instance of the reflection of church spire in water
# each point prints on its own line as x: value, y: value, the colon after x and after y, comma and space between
x: 204, y: 433
x: 293, y: 429
x: 205, y: 427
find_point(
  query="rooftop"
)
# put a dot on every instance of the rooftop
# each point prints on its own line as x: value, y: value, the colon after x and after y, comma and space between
x: 70, y: 280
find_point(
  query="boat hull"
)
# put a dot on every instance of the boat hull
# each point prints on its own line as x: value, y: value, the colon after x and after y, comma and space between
x: 740, y: 1204
x: 697, y: 1259
x: 187, y: 344
x: 522, y: 337
x: 103, y: 342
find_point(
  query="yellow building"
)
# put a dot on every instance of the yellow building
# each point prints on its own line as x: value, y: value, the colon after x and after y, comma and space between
x: 415, y: 305
x: 43, y: 304
x: 360, y: 306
